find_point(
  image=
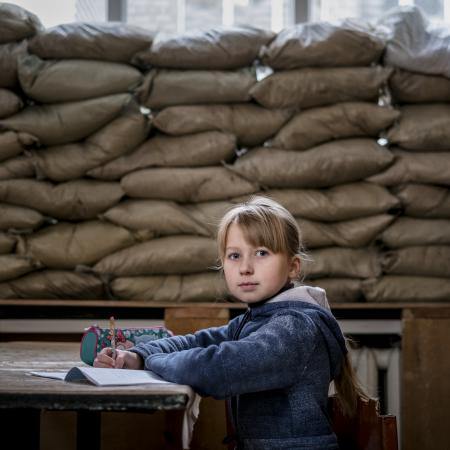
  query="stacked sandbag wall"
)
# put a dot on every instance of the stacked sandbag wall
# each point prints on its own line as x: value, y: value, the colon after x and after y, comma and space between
x: 415, y: 248
x: 131, y: 147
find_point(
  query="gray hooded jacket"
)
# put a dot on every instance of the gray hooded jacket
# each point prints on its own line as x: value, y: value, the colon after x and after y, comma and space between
x: 274, y: 364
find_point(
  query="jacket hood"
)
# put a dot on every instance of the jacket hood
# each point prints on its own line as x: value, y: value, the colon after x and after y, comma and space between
x: 317, y: 300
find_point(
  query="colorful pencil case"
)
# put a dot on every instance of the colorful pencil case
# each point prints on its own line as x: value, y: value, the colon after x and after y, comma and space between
x: 94, y: 339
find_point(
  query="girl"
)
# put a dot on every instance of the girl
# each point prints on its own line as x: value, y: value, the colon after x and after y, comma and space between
x: 274, y: 363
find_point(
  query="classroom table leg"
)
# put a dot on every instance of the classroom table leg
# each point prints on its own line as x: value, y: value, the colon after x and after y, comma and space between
x: 89, y: 430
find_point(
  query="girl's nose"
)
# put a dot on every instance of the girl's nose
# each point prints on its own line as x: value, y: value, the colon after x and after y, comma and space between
x: 246, y: 266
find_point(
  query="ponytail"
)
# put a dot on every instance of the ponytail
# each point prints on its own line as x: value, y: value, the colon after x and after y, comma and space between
x: 348, y: 388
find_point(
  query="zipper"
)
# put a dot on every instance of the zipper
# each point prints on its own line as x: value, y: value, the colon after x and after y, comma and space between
x: 245, y: 319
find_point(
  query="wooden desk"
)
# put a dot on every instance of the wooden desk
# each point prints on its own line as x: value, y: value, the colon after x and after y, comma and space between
x: 23, y: 396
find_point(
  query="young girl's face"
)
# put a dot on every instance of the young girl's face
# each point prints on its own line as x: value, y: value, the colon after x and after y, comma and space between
x: 254, y: 273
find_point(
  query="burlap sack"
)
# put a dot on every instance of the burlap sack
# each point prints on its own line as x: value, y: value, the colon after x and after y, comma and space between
x: 410, y: 87
x: 342, y: 202
x: 48, y: 284
x: 328, y: 164
x: 118, y: 137
x: 17, y: 23
x: 10, y: 103
x: 323, y: 44
x: 317, y: 125
x: 19, y: 218
x: 407, y: 231
x: 421, y: 200
x: 70, y: 80
x: 208, y: 214
x: 163, y: 88
x: 198, y: 287
x: 66, y: 122
x: 426, y: 260
x: 343, y: 262
x: 7, y: 243
x: 422, y: 128
x: 347, y: 233
x: 74, y: 200
x: 18, y: 167
x: 9, y: 53
x: 186, y: 185
x: 251, y: 124
x: 397, y: 288
x: 414, y: 44
x: 166, y: 256
x: 217, y: 48
x: 340, y: 290
x: 80, y: 40
x: 310, y: 87
x: 66, y: 245
x: 433, y: 168
x: 200, y: 149
x: 13, y: 266
x: 159, y: 217
x: 12, y: 143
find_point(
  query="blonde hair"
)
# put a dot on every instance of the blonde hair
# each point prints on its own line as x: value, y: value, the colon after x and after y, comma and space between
x: 263, y: 222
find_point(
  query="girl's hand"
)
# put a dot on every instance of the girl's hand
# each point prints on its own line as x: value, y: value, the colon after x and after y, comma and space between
x: 124, y: 360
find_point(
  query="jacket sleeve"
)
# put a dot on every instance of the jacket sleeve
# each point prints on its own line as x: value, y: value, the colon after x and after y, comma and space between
x: 202, y: 338
x: 273, y: 357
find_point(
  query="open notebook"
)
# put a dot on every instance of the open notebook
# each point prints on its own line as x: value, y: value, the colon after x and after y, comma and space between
x: 105, y: 377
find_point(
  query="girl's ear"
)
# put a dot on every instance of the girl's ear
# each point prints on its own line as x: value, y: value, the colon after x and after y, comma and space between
x: 294, y: 268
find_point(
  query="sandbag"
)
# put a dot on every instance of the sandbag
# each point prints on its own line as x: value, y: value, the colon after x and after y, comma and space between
x: 17, y: 23
x: 425, y: 260
x: 166, y: 256
x: 112, y: 41
x: 197, y: 287
x: 49, y: 284
x: 323, y: 44
x: 7, y: 243
x: 208, y: 214
x: 422, y: 128
x: 345, y: 120
x: 74, y: 200
x: 251, y: 124
x: 347, y: 233
x: 414, y: 44
x: 67, y: 245
x: 408, y: 231
x: 70, y: 80
x: 397, y: 288
x: 66, y: 122
x: 159, y: 217
x: 408, y: 167
x: 18, y: 167
x: 118, y: 137
x: 336, y: 162
x: 310, y: 87
x: 12, y: 143
x: 13, y: 266
x: 217, y: 48
x: 343, y: 262
x: 9, y: 53
x: 19, y: 218
x: 186, y: 184
x: 339, y: 290
x: 410, y: 87
x: 163, y: 88
x: 342, y: 202
x: 10, y: 103
x: 199, y: 149
x: 421, y: 200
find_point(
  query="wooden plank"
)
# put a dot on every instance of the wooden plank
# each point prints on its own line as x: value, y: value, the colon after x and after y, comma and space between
x: 425, y: 380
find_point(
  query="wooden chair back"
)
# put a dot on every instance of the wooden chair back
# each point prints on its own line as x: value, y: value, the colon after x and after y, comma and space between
x: 367, y: 430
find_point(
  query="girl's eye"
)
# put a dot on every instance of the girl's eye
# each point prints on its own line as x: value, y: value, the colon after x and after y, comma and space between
x: 261, y: 252
x: 233, y: 255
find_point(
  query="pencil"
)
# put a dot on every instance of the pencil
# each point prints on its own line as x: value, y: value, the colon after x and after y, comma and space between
x: 112, y: 330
